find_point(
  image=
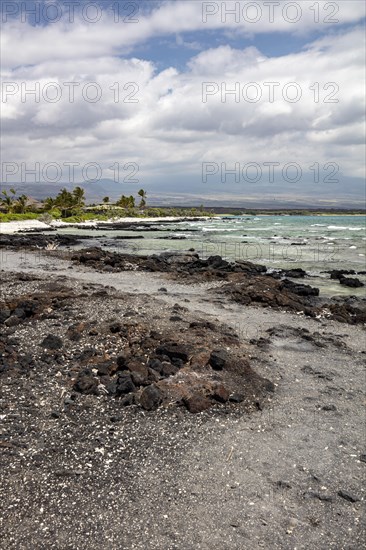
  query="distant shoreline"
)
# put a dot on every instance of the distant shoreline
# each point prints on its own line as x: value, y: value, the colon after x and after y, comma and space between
x: 10, y: 227
x: 315, y: 214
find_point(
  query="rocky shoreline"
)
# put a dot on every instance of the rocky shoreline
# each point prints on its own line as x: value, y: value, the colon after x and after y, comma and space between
x: 123, y: 357
x: 146, y: 392
x: 245, y: 282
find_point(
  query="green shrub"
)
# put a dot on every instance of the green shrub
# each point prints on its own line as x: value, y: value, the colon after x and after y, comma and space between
x: 86, y: 217
x: 18, y: 217
x: 56, y: 213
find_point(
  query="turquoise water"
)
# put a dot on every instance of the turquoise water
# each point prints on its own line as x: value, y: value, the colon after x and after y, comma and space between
x: 315, y: 243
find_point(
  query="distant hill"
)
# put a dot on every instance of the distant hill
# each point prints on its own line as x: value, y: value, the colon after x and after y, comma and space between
x: 348, y: 193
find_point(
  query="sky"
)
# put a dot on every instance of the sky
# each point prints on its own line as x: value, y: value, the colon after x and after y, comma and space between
x: 215, y: 100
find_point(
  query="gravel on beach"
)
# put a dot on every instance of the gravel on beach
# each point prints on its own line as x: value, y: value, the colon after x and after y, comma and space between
x: 276, y: 462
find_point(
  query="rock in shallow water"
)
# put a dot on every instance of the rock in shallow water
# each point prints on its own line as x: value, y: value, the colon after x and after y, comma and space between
x: 299, y: 289
x: 351, y: 282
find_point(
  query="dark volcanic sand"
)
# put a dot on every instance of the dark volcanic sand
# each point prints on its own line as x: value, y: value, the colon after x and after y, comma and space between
x: 278, y: 470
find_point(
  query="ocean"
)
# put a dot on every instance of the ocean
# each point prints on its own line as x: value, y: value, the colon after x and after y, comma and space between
x: 315, y: 243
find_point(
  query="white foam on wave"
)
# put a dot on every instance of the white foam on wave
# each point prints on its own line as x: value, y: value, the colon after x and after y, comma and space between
x: 258, y: 228
x: 343, y: 228
x: 227, y: 230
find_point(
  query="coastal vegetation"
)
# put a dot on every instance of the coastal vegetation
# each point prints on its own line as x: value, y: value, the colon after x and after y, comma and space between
x: 70, y: 206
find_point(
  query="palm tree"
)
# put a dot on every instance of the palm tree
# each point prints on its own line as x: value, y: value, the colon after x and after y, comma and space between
x: 79, y: 196
x: 49, y: 203
x: 126, y: 202
x: 65, y: 200
x: 8, y: 200
x: 142, y: 194
x: 123, y: 202
x: 21, y: 203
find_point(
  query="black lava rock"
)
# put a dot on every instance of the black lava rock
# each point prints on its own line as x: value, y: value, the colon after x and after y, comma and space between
x: 351, y: 282
x: 156, y: 365
x: 197, y: 403
x: 12, y: 321
x: 128, y: 400
x: 125, y: 384
x: 151, y: 398
x: 169, y: 369
x: 4, y: 314
x: 329, y: 408
x: 298, y: 289
x: 86, y: 384
x: 115, y: 327
x: 173, y: 350
x: 339, y: 273
x: 236, y: 398
x: 122, y: 362
x: 52, y: 342
x: 296, y: 273
x: 218, y: 359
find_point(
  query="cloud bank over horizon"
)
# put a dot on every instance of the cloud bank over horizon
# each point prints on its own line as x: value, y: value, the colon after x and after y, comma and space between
x: 171, y: 93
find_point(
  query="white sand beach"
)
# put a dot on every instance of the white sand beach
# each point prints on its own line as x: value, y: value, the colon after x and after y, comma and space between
x: 33, y: 225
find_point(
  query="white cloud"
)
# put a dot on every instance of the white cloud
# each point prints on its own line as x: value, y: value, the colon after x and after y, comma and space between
x: 170, y: 128
x: 24, y: 44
